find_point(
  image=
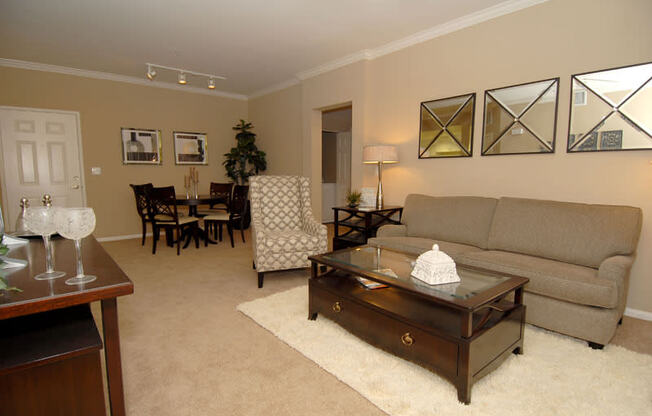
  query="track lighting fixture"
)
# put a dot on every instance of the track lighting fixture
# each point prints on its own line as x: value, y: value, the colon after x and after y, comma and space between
x: 181, y: 76
x: 150, y: 73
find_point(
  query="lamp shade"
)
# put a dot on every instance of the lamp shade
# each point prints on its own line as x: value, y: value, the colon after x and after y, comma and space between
x: 379, y: 153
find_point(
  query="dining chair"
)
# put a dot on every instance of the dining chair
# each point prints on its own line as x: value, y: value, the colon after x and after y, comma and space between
x: 142, y: 201
x: 237, y: 210
x: 163, y: 213
x: 221, y: 195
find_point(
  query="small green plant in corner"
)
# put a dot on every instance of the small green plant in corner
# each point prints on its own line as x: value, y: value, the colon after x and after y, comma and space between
x: 353, y: 198
x: 245, y: 159
x: 4, y: 286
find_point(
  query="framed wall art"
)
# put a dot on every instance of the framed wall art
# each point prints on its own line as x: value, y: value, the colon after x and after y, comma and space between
x: 190, y: 148
x: 141, y: 146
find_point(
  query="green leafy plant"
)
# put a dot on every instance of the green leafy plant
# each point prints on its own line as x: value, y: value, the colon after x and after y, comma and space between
x: 245, y: 159
x: 353, y: 198
x: 4, y: 285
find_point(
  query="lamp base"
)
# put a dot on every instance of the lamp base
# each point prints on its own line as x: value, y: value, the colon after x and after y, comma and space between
x: 379, y: 190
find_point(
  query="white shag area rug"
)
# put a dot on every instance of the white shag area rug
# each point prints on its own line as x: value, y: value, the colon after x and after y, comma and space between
x: 557, y: 375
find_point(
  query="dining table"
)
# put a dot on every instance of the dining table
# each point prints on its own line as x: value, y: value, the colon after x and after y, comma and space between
x: 193, y: 202
x: 37, y: 296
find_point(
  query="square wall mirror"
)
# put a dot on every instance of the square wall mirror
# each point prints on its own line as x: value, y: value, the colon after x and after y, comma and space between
x: 611, y: 110
x: 446, y: 127
x: 520, y: 119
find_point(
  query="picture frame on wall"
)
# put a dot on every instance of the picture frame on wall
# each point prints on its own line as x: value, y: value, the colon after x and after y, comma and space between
x: 140, y: 146
x: 190, y: 148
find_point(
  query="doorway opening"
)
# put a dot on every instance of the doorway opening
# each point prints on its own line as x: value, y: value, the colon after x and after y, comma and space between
x: 335, y: 159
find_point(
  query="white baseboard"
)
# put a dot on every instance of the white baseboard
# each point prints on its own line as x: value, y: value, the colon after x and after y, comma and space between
x: 122, y: 237
x: 635, y: 313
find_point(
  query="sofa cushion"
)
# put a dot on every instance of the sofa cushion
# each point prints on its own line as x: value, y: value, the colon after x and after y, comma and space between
x: 458, y: 219
x: 417, y: 245
x: 555, y: 279
x: 570, y: 232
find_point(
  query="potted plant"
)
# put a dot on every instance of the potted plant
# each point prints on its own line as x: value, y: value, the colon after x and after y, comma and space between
x: 353, y: 198
x: 4, y: 286
x: 244, y: 160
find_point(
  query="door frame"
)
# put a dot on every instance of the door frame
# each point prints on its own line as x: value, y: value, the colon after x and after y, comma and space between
x: 82, y: 176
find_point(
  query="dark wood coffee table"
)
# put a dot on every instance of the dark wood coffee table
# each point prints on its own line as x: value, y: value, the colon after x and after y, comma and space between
x: 461, y: 331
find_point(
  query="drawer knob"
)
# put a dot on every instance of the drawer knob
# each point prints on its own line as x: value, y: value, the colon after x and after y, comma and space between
x: 407, y: 339
x: 337, y: 307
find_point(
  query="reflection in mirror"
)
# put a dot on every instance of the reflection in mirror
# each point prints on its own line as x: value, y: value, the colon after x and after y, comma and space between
x: 610, y: 110
x: 446, y: 128
x: 520, y: 119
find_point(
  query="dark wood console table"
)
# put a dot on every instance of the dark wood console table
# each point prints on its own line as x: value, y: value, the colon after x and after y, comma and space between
x: 356, y: 225
x: 48, y: 295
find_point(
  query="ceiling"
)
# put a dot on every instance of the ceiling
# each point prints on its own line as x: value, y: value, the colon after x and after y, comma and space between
x: 256, y: 44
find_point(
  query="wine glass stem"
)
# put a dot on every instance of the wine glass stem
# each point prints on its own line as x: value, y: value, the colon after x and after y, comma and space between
x: 80, y: 266
x: 49, y: 264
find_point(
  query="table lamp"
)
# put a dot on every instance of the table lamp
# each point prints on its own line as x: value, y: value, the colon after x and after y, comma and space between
x: 379, y: 154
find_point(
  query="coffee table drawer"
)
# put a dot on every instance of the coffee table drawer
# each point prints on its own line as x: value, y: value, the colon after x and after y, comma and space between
x: 386, y: 332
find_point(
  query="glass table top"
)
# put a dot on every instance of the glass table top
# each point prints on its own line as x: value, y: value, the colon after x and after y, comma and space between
x: 395, y: 268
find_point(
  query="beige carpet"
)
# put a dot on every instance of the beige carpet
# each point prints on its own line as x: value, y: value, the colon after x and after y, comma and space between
x: 556, y: 375
x: 186, y: 350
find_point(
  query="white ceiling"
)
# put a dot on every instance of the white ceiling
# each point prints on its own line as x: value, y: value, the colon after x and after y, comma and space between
x: 256, y: 44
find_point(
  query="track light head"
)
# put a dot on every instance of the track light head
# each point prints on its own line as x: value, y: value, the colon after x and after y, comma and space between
x: 182, y: 78
x: 211, y: 83
x: 151, y: 74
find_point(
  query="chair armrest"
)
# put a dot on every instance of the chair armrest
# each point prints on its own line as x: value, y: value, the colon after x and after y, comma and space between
x: 616, y: 268
x: 257, y: 228
x: 312, y: 227
x: 392, y: 230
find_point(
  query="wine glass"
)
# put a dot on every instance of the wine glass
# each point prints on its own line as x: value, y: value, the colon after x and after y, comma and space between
x: 75, y: 224
x: 41, y: 220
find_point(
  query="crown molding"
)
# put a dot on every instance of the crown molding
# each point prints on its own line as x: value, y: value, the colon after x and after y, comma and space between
x: 365, y: 54
x: 273, y: 88
x: 489, y: 13
x: 36, y: 66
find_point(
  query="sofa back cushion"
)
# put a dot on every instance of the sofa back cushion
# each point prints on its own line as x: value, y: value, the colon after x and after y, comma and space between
x: 570, y: 232
x: 458, y: 219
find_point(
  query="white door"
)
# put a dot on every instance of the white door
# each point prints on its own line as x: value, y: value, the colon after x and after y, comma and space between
x: 41, y: 155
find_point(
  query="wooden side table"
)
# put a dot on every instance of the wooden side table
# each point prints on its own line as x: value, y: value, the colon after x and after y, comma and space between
x: 356, y: 225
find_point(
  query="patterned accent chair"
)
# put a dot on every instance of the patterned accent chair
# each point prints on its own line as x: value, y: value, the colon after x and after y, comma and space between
x: 284, y: 231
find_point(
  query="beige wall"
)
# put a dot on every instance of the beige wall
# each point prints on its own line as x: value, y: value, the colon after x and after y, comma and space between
x: 277, y: 121
x: 549, y: 40
x: 104, y: 107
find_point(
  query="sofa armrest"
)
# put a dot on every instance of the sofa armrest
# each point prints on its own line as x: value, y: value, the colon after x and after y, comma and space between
x: 616, y: 268
x: 392, y: 230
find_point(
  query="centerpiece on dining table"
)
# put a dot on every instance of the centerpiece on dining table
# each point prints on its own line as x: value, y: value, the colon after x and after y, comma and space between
x: 191, y: 183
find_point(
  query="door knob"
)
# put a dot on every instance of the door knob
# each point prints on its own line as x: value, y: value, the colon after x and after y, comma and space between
x: 75, y: 182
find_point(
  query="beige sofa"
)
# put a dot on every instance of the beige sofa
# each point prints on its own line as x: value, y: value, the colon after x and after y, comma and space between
x: 577, y: 256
